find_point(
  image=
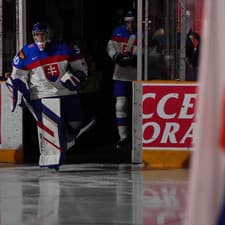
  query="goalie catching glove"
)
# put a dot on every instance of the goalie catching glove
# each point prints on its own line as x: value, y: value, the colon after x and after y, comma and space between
x: 73, y: 81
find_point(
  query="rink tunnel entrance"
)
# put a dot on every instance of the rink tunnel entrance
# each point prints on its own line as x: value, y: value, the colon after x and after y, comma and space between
x: 88, y: 23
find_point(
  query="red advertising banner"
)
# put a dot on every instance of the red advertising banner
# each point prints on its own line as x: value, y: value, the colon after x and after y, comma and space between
x: 168, y: 115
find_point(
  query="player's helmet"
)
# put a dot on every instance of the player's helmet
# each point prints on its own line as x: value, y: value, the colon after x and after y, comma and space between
x: 130, y: 16
x: 41, y: 35
x: 130, y: 20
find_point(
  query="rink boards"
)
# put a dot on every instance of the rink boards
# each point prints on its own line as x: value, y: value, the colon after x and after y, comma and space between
x: 11, y: 129
x: 164, y: 123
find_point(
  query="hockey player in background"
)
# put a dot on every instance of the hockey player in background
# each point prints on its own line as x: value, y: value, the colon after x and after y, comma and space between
x: 122, y: 48
x: 46, y: 77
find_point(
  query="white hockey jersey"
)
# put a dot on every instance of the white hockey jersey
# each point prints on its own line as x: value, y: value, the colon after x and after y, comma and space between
x: 120, y: 42
x: 41, y: 71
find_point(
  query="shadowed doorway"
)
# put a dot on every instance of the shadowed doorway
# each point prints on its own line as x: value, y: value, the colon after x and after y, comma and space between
x: 86, y: 23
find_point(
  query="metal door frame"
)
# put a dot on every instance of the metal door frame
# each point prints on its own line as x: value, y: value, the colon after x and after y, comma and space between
x: 21, y: 21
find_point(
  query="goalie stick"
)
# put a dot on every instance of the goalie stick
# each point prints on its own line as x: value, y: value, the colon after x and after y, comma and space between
x: 130, y: 43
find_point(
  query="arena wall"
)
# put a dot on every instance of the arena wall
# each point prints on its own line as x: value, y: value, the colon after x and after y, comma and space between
x: 11, y: 129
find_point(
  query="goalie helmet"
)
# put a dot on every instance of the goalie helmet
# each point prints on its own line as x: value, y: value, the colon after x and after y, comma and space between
x: 41, y: 35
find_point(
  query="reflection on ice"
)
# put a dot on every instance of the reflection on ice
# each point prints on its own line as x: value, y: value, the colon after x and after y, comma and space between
x: 92, y: 194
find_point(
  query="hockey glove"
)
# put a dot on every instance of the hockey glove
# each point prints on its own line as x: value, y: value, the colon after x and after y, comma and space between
x: 73, y: 81
x: 82, y: 78
x: 122, y: 60
x: 69, y: 81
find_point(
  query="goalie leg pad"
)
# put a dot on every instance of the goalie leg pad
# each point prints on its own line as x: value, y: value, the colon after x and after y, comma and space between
x: 54, y: 134
x: 51, y: 131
